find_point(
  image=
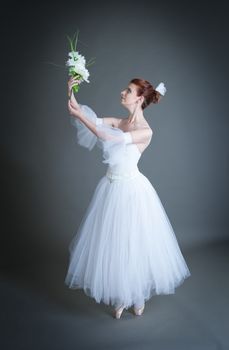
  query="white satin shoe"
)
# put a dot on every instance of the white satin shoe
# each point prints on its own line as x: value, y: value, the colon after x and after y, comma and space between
x: 118, y: 312
x: 139, y: 312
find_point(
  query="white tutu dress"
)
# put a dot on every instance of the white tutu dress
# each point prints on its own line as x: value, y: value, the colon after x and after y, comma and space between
x: 125, y: 250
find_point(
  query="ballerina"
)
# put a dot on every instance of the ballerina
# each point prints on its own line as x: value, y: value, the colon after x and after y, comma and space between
x: 125, y: 250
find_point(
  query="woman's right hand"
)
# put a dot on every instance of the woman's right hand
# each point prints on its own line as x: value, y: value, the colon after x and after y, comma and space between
x: 71, y: 82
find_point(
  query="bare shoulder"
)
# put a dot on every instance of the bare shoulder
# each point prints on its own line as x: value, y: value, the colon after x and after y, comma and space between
x: 121, y: 123
x: 112, y: 121
x: 145, y: 127
x: 148, y: 130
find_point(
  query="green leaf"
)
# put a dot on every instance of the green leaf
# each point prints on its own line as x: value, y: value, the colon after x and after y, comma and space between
x: 76, y: 39
x: 90, y: 62
x: 54, y: 64
x: 91, y: 59
x: 75, y: 88
x: 70, y: 41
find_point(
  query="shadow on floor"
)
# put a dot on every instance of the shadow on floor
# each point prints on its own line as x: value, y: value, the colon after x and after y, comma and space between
x: 39, y: 311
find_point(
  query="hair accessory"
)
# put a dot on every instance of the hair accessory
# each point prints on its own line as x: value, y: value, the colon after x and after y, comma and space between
x: 161, y: 89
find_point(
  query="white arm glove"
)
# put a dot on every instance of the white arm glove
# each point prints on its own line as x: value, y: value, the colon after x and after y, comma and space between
x: 98, y: 121
x: 127, y: 137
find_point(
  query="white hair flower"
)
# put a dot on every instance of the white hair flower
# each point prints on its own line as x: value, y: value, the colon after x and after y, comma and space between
x: 161, y: 88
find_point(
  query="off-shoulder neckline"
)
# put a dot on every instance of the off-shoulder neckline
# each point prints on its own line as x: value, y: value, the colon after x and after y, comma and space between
x: 115, y: 127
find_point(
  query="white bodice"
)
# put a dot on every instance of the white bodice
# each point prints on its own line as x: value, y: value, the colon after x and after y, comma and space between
x: 128, y: 168
x: 129, y: 163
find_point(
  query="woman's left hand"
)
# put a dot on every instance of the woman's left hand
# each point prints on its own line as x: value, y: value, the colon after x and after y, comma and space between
x: 74, y: 110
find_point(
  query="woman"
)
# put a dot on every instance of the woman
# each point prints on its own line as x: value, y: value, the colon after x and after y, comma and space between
x: 125, y: 250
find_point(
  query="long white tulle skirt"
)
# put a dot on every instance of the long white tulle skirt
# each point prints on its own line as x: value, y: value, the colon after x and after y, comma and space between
x: 125, y: 250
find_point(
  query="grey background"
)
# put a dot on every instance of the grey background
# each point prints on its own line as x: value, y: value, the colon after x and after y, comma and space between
x: 48, y: 180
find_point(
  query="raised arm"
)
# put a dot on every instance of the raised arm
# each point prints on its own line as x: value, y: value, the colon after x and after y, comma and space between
x: 112, y: 140
x: 137, y: 136
x: 77, y: 113
x: 92, y: 124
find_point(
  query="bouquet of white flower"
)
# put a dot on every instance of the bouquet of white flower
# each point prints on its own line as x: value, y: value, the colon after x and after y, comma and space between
x: 77, y: 64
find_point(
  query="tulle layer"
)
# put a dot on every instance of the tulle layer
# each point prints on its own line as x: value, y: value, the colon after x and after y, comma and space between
x: 125, y: 250
x: 84, y: 136
x: 110, y: 140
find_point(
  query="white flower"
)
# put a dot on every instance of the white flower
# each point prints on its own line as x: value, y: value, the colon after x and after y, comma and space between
x: 79, y: 69
x: 161, y: 89
x: 75, y: 57
x: 78, y: 62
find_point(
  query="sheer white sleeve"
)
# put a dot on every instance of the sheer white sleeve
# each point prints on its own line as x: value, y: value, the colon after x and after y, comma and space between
x: 85, y: 137
x: 110, y: 139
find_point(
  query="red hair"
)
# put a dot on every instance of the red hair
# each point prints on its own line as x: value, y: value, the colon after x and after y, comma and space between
x: 144, y: 88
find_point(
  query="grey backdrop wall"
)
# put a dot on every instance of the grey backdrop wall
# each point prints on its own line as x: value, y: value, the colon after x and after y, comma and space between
x: 48, y: 179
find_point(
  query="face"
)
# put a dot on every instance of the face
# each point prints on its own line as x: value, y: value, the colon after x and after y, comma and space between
x: 129, y: 95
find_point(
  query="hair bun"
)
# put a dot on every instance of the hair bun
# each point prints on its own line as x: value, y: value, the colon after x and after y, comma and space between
x: 155, y: 96
x: 146, y: 89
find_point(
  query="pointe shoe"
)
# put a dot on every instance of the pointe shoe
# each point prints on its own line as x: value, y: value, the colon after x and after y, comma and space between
x: 139, y: 312
x: 118, y: 312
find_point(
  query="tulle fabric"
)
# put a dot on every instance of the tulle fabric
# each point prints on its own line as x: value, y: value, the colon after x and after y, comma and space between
x: 85, y: 137
x: 110, y: 140
x: 125, y: 250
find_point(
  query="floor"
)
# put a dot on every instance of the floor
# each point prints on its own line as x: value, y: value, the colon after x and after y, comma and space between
x: 39, y: 312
